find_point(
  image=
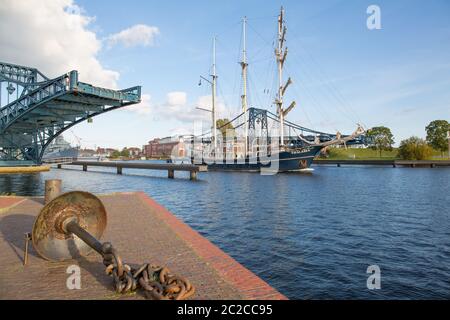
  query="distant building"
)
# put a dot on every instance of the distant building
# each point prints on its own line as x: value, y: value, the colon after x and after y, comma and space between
x: 236, y: 150
x: 165, y: 147
x: 86, y: 152
x: 105, y: 152
x: 134, y: 152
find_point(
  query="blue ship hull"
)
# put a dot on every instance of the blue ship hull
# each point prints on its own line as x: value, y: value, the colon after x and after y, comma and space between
x: 288, y: 160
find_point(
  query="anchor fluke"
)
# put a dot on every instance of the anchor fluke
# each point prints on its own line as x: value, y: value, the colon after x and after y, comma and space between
x: 50, y: 236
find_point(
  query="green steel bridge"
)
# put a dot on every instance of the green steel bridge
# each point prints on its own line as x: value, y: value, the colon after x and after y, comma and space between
x: 34, y: 109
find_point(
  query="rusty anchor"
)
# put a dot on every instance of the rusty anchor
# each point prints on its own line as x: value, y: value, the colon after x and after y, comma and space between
x: 70, y: 225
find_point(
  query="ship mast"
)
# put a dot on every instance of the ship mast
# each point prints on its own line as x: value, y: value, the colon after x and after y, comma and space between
x: 280, y: 54
x: 244, y: 65
x: 213, y: 85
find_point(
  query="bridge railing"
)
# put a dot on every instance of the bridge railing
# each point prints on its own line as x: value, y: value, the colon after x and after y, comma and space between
x: 132, y: 94
x: 59, y: 160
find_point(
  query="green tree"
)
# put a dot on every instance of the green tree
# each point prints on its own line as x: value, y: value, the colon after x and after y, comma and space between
x: 414, y: 148
x: 125, y: 153
x: 115, y: 154
x: 225, y: 125
x: 380, y: 138
x: 437, y: 132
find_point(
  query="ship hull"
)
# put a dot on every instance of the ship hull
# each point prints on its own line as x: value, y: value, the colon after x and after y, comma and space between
x: 284, y: 161
x: 67, y: 153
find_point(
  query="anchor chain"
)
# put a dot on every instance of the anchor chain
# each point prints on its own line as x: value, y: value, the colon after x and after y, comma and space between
x: 157, y: 282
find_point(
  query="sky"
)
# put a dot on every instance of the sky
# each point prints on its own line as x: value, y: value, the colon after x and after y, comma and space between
x: 343, y: 73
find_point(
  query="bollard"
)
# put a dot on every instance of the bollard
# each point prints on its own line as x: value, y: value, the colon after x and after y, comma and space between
x: 52, y: 189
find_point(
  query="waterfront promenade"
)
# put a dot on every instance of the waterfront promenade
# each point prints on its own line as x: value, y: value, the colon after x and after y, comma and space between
x: 142, y: 231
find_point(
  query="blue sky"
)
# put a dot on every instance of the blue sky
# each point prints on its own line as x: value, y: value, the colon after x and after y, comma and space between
x: 343, y: 73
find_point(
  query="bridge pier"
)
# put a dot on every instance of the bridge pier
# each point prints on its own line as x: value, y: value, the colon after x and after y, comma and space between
x: 171, y: 174
x: 84, y: 167
x: 119, y: 170
x: 193, y: 175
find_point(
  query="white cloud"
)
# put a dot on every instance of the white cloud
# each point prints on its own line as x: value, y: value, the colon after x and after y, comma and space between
x: 139, y: 34
x: 52, y: 36
x: 177, y: 98
x: 182, y: 130
x: 143, y: 108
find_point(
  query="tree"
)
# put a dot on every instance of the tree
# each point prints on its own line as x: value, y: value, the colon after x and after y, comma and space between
x: 125, y: 153
x: 380, y: 138
x: 437, y: 132
x: 225, y: 125
x: 115, y: 154
x: 414, y: 148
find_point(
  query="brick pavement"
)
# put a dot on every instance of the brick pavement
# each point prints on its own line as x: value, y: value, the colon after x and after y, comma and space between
x: 142, y: 231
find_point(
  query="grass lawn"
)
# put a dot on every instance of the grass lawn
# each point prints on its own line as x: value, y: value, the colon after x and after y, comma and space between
x: 369, y: 154
x: 361, y: 154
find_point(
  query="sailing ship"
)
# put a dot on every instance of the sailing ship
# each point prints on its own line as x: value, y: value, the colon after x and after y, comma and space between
x: 267, y: 141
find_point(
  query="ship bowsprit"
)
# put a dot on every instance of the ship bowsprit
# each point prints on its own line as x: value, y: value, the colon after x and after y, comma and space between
x: 38, y: 109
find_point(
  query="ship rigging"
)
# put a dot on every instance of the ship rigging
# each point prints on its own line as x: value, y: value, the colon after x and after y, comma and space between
x: 266, y: 138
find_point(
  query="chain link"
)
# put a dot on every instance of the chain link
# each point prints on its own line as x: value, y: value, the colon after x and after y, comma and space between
x: 157, y: 282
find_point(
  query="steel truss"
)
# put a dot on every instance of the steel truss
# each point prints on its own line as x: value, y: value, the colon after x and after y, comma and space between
x: 43, y: 108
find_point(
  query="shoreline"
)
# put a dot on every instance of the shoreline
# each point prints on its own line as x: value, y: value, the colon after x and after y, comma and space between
x: 393, y: 163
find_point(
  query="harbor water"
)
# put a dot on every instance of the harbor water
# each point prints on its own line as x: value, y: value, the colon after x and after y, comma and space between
x: 311, y: 236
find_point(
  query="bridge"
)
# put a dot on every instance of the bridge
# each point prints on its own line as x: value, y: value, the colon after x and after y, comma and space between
x: 34, y: 109
x: 169, y: 167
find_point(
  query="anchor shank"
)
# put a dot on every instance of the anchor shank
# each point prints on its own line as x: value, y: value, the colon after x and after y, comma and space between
x: 73, y: 227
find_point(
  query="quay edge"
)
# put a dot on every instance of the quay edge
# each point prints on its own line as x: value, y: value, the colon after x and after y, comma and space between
x: 143, y: 231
